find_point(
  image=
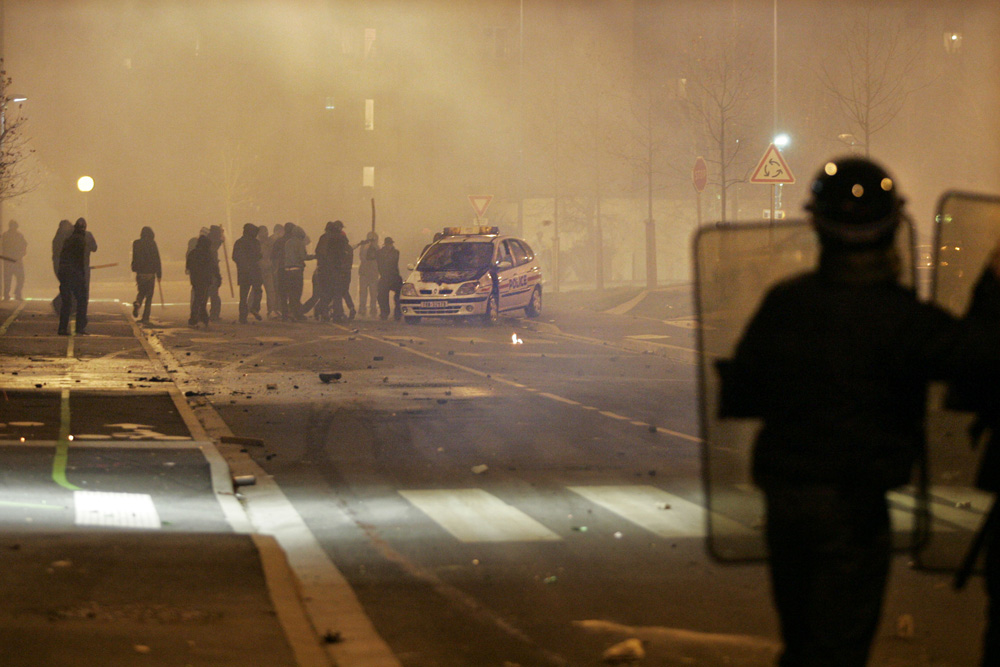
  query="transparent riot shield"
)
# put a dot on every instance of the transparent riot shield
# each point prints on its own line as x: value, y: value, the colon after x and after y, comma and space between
x: 967, y: 228
x: 735, y: 265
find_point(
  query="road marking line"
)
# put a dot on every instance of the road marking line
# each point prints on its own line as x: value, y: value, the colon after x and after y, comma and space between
x: 614, y: 415
x: 10, y: 319
x: 554, y: 397
x: 119, y: 510
x: 273, y: 339
x: 657, y: 511
x: 623, y: 308
x: 512, y: 383
x: 473, y: 515
x: 646, y: 337
x: 963, y: 518
x: 61, y: 457
x: 31, y: 506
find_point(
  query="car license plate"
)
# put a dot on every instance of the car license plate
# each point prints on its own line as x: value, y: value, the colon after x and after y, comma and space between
x: 433, y: 304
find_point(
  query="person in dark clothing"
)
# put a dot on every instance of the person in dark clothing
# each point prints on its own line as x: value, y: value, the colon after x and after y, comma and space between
x: 323, y: 276
x: 368, y: 275
x: 389, y: 280
x: 342, y: 258
x: 217, y: 237
x: 13, y: 247
x: 203, y: 271
x: 247, y: 256
x: 63, y: 231
x: 146, y: 264
x: 294, y: 256
x: 836, y: 364
x: 73, y: 278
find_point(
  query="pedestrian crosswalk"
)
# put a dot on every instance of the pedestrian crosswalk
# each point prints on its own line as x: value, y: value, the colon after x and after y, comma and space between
x: 473, y: 515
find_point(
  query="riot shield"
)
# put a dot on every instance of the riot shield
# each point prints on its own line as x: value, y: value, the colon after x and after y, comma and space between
x: 734, y: 267
x: 967, y: 227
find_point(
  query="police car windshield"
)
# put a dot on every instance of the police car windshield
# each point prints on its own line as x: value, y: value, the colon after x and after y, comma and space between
x: 462, y: 256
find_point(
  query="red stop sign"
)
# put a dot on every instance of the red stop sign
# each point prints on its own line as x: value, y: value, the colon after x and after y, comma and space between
x: 699, y: 175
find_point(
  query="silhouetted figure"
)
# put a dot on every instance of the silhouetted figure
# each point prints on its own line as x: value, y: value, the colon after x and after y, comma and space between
x: 293, y: 268
x: 247, y: 256
x: 368, y: 275
x: 267, y: 271
x: 323, y: 276
x: 13, y: 247
x: 63, y: 231
x: 216, y: 235
x: 389, y: 280
x: 836, y: 363
x: 74, y: 266
x: 203, y: 271
x: 146, y: 264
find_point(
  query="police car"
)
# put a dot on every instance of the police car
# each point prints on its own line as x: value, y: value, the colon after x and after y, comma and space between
x: 473, y: 272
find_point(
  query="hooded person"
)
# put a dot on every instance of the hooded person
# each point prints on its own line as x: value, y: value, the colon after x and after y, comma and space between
x: 73, y: 279
x: 247, y: 256
x: 836, y: 364
x: 267, y: 271
x: 218, y: 238
x: 147, y: 268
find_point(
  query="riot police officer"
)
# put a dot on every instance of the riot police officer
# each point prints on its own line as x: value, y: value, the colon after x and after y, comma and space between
x: 835, y: 363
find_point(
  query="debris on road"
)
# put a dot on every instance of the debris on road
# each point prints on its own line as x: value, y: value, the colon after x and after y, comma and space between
x: 327, y: 378
x: 237, y: 440
x: 480, y: 469
x: 630, y: 650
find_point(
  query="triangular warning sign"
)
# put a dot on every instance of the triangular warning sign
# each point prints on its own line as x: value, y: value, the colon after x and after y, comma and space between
x: 480, y: 203
x: 772, y: 168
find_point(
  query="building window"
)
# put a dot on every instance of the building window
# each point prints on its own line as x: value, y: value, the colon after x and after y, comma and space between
x: 368, y: 177
x: 370, y: 48
x: 952, y: 42
x: 330, y: 104
x: 369, y: 114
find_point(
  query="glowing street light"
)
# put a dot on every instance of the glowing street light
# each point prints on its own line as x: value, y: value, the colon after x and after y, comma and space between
x: 782, y: 140
x: 85, y: 184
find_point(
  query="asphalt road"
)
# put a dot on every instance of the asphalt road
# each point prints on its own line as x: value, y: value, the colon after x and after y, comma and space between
x: 527, y: 494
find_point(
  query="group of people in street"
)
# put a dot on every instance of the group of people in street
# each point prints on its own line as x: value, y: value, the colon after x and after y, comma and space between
x: 270, y: 272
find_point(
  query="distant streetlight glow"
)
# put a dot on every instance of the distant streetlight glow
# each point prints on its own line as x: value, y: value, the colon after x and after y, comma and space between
x: 85, y: 184
x: 782, y: 140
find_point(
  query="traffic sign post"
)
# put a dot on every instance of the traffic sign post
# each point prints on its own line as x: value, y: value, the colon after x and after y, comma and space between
x: 699, y: 178
x: 479, y: 204
x: 772, y: 170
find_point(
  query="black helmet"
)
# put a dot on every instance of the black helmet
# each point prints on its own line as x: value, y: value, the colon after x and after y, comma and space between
x: 854, y: 201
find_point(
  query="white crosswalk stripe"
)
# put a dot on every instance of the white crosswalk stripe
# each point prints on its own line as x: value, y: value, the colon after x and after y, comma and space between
x: 473, y: 515
x: 659, y: 512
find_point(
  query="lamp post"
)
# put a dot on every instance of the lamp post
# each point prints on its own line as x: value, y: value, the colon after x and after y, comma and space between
x: 85, y: 184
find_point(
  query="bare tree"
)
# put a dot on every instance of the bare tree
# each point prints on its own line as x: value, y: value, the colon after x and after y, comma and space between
x: 727, y: 85
x: 15, y: 176
x: 233, y: 179
x: 647, y: 146
x: 873, y: 76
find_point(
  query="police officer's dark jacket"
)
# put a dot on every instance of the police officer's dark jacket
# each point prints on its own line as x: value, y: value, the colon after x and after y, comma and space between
x: 836, y: 363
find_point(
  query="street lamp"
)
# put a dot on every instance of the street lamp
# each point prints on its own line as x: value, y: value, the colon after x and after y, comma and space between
x: 782, y: 140
x: 85, y: 184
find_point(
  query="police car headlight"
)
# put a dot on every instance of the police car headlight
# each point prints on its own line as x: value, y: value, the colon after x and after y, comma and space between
x: 466, y: 289
x: 408, y: 290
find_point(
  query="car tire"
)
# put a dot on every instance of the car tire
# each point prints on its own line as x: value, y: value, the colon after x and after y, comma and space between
x: 534, y: 307
x: 411, y: 319
x: 492, y: 313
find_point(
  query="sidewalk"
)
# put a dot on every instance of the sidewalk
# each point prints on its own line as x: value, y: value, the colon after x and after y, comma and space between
x: 122, y: 542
